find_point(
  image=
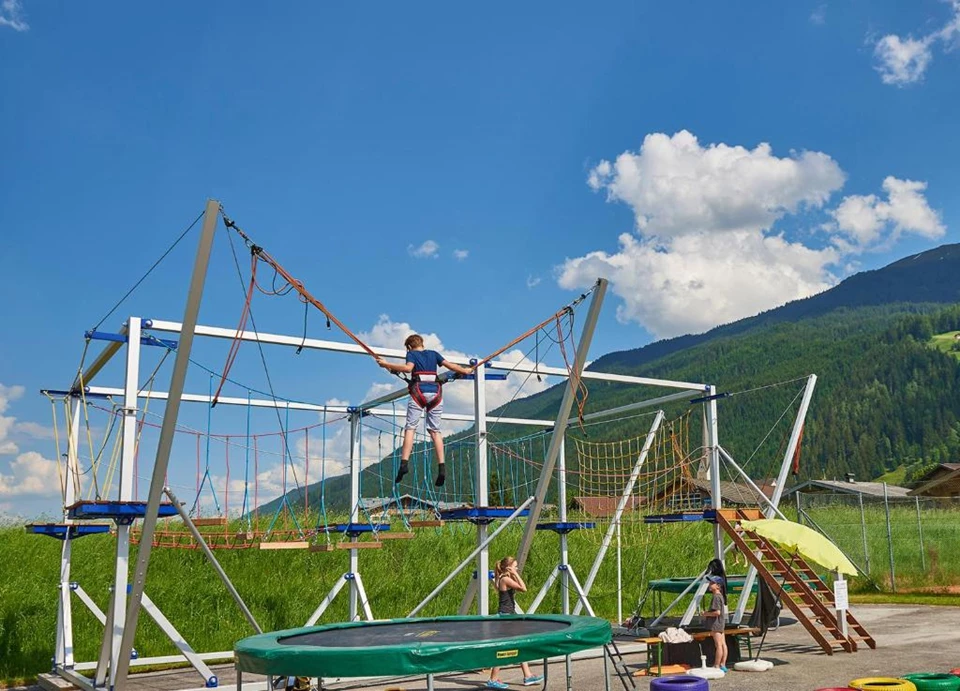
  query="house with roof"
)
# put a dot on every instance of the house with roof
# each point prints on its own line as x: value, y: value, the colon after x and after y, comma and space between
x: 851, y: 487
x: 693, y: 494
x: 941, y: 482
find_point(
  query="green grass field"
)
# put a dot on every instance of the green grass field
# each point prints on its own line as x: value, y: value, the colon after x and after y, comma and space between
x: 282, y: 588
x: 945, y: 342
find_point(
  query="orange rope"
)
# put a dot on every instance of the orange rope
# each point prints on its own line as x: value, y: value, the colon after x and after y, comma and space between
x: 554, y: 317
x: 263, y: 255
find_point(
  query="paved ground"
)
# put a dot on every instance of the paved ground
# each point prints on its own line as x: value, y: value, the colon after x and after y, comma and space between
x: 909, y: 639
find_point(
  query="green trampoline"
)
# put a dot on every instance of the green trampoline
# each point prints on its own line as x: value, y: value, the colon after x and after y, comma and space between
x: 417, y: 646
x: 678, y: 585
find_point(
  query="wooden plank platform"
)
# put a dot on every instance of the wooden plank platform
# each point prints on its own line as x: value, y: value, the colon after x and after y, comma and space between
x: 354, y: 544
x: 322, y: 547
x: 285, y: 545
x: 396, y: 536
x: 205, y: 522
x: 427, y: 524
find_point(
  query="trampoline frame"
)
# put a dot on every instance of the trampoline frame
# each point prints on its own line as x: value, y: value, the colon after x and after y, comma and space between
x: 414, y: 653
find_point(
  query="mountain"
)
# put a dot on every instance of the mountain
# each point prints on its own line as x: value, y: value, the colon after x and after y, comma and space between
x: 884, y: 398
x: 930, y: 277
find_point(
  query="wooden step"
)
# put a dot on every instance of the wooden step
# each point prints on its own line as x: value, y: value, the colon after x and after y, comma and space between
x: 322, y: 547
x: 426, y: 524
x: 387, y: 535
x: 356, y: 544
x: 300, y: 544
x: 206, y: 522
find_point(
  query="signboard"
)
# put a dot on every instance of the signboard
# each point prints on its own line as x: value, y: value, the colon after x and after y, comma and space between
x: 840, y: 594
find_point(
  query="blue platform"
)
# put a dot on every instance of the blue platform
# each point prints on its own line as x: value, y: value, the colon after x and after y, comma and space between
x: 480, y: 514
x: 676, y: 518
x: 355, y: 528
x: 123, y: 512
x: 565, y: 527
x: 63, y: 531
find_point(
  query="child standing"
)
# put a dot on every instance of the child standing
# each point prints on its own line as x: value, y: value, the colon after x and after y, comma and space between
x: 715, y: 620
x: 507, y: 581
x: 425, y: 396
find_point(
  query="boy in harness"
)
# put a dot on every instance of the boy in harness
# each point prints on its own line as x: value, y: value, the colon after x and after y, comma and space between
x: 426, y: 395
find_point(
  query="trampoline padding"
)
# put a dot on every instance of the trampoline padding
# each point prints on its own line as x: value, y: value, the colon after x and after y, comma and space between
x: 417, y: 646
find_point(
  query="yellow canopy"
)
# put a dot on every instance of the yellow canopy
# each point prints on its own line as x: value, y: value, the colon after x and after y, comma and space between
x: 799, y: 539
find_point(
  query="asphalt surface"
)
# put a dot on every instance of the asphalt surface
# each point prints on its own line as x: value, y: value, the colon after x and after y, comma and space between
x: 909, y: 639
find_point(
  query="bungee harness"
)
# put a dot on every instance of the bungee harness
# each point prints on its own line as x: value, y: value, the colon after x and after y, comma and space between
x: 419, y: 397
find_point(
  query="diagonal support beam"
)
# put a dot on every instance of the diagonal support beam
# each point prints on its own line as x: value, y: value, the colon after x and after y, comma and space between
x: 560, y: 428
x: 165, y: 442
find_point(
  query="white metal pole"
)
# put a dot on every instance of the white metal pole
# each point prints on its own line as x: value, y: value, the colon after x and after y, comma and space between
x: 621, y: 505
x: 355, y: 463
x: 713, y: 444
x: 63, y: 655
x: 560, y: 428
x: 483, y: 488
x: 128, y: 431
x: 165, y: 442
x: 774, y: 503
x: 564, y: 545
x: 619, y: 578
x: 564, y: 548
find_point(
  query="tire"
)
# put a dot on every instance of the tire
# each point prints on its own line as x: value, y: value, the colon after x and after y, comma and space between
x: 883, y: 684
x: 934, y: 682
x: 681, y: 683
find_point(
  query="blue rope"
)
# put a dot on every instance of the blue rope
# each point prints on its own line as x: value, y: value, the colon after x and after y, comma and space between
x: 322, y: 517
x: 206, y: 479
x: 244, y: 511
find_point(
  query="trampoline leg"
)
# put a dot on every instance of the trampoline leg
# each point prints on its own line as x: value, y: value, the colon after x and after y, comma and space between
x: 239, y: 679
x: 606, y: 670
x: 429, y: 682
x: 546, y: 672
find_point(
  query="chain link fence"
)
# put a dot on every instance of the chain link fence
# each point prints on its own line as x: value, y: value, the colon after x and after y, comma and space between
x: 900, y: 543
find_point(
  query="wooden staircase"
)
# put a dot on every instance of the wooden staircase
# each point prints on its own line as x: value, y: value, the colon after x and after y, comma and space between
x: 807, y: 597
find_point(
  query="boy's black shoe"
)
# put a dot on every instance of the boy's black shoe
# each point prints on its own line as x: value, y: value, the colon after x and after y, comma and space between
x: 401, y: 471
x: 441, y: 478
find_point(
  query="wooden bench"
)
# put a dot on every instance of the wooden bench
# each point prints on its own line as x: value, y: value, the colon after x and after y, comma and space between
x: 656, y: 642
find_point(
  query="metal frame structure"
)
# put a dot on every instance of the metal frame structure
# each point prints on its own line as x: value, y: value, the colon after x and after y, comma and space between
x: 126, y: 602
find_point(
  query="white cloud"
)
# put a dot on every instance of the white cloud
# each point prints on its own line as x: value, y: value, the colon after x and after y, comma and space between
x: 819, y: 15
x: 702, y: 279
x: 30, y: 474
x: 11, y: 14
x: 676, y: 186
x: 865, y: 219
x: 533, y: 281
x: 903, y: 61
x: 8, y: 423
x: 460, y: 255
x: 428, y: 250
x: 705, y: 250
x: 34, y: 430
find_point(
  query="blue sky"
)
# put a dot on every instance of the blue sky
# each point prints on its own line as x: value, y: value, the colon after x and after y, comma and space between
x: 711, y: 160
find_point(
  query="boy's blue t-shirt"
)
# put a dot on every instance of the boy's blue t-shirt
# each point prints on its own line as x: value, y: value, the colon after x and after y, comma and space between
x: 425, y: 361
